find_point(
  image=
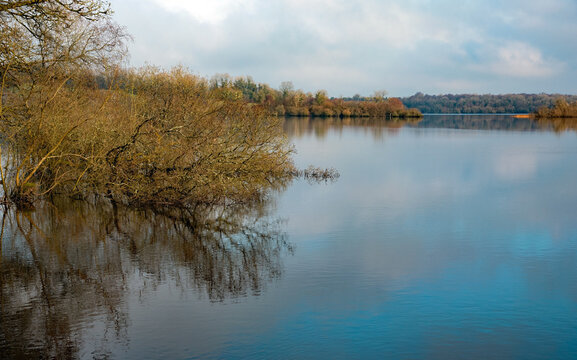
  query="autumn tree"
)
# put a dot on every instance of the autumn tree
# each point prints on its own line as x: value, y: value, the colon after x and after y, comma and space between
x: 321, y: 96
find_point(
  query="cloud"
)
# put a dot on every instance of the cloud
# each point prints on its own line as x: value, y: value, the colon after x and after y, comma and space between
x: 212, y: 12
x: 519, y: 59
x: 535, y: 14
x: 349, y: 47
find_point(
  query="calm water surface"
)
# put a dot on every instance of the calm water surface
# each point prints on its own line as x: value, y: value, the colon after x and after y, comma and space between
x: 455, y: 237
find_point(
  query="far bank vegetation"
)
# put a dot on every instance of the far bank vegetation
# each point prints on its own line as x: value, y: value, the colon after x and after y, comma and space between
x: 483, y: 104
x: 286, y: 101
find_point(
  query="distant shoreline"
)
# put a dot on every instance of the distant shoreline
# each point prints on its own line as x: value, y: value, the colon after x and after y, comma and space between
x: 472, y: 104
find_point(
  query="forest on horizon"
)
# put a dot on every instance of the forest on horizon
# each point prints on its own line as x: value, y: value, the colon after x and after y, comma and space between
x: 483, y: 104
x: 288, y: 101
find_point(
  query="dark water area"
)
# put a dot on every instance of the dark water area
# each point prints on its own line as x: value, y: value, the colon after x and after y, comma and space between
x: 450, y: 237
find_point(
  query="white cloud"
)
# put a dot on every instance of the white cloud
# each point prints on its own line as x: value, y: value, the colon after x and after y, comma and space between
x: 212, y: 12
x: 381, y: 23
x: 534, y: 14
x: 522, y: 60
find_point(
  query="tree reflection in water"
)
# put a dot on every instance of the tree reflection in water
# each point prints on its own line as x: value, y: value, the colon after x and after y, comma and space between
x: 70, y: 266
x: 560, y: 124
x: 378, y: 128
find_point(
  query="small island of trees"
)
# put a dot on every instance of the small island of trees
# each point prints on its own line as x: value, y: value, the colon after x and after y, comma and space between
x: 562, y: 109
x: 562, y: 116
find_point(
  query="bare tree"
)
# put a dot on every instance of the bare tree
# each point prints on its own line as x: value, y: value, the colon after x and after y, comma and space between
x: 58, y: 33
x: 44, y: 45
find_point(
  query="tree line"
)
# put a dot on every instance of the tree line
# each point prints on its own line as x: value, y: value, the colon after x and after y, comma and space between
x: 483, y: 104
x: 286, y: 101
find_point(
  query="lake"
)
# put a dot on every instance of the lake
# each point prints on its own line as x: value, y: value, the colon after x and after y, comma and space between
x: 452, y: 237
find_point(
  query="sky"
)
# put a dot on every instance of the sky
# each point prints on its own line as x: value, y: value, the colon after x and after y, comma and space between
x: 349, y: 47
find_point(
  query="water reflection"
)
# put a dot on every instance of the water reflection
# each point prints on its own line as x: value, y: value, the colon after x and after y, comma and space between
x: 560, y: 124
x: 66, y: 269
x: 378, y: 127
x: 482, y: 122
x: 436, y: 243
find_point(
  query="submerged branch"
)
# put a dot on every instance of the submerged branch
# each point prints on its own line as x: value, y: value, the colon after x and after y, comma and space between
x: 313, y: 173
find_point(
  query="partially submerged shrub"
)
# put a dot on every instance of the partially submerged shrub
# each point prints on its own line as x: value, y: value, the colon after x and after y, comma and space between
x: 163, y: 138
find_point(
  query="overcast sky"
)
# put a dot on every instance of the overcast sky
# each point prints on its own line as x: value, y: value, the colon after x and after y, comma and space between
x: 356, y: 47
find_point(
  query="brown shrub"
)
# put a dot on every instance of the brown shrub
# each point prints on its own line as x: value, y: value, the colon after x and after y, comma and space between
x: 163, y: 138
